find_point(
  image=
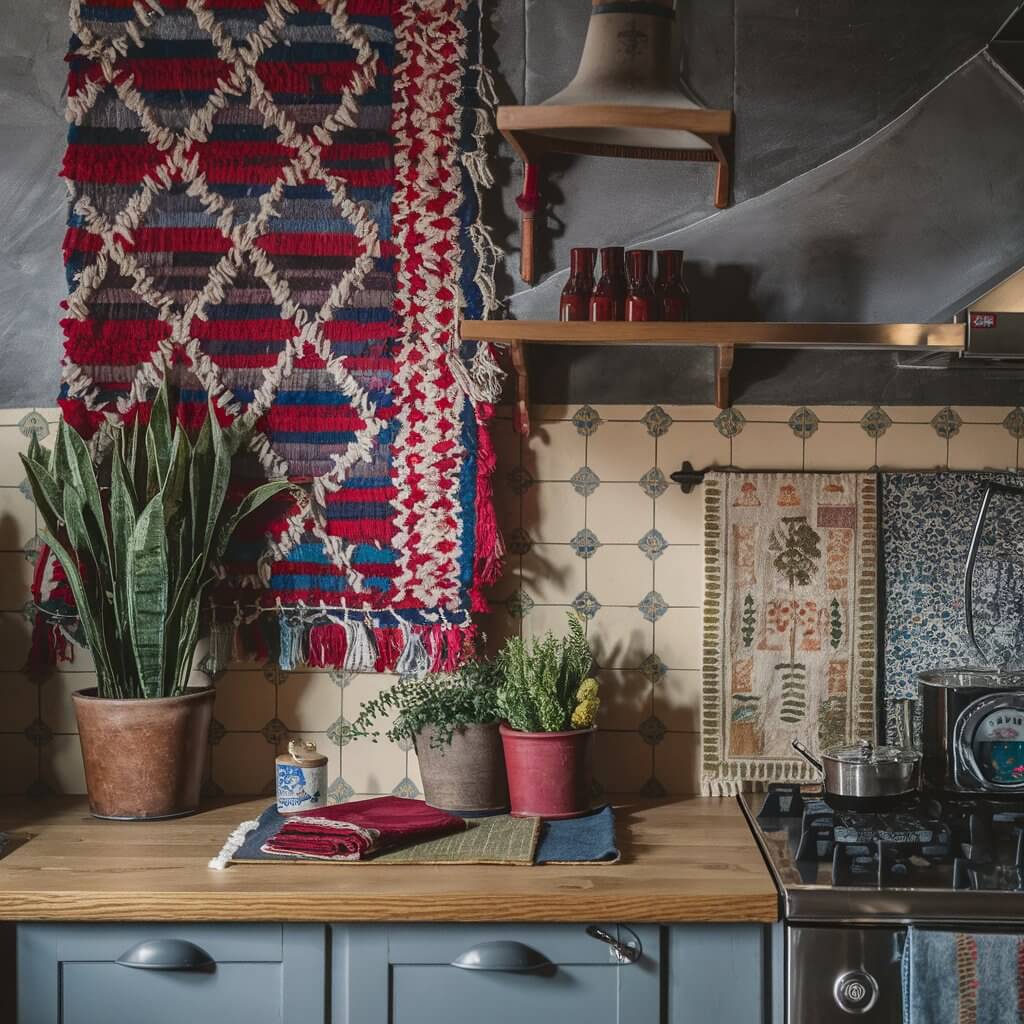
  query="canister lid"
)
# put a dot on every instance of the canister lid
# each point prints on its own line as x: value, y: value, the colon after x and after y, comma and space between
x: 304, y: 752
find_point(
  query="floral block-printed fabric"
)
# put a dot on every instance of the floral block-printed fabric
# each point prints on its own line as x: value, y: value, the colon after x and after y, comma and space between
x: 789, y: 621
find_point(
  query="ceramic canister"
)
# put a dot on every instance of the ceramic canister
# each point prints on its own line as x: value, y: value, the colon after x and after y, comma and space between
x: 301, y: 778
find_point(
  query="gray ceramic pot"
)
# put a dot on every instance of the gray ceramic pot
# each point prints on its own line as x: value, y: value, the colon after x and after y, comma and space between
x: 466, y: 775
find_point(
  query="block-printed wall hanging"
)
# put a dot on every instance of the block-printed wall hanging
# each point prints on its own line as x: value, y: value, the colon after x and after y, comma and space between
x: 927, y: 520
x: 277, y: 203
x: 789, y: 622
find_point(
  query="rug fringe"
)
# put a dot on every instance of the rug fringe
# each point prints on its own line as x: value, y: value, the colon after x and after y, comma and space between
x: 232, y: 845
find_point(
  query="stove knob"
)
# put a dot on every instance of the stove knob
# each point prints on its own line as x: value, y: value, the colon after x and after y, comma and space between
x: 855, y: 992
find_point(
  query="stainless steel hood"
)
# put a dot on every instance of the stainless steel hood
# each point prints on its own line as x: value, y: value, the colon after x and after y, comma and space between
x: 995, y: 321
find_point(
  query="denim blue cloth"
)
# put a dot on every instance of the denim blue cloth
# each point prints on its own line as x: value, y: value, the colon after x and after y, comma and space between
x: 953, y: 977
x: 590, y: 838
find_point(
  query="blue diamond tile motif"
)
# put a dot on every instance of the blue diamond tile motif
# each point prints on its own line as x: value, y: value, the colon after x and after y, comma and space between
x: 520, y: 480
x: 654, y: 483
x: 729, y: 422
x: 273, y: 674
x: 32, y: 423
x: 217, y: 731
x: 32, y: 549
x: 652, y: 544
x: 406, y: 788
x: 274, y: 731
x: 653, y: 606
x: 405, y: 744
x: 875, y: 422
x: 657, y: 421
x: 653, y: 668
x: 39, y: 733
x: 803, y: 422
x: 586, y: 604
x: 520, y: 604
x: 1014, y: 423
x: 652, y: 730
x: 652, y: 788
x: 26, y: 490
x: 341, y: 678
x: 585, y: 543
x: 339, y: 791
x: 585, y: 481
x: 586, y: 421
x: 518, y: 542
x: 339, y: 732
x: 947, y: 423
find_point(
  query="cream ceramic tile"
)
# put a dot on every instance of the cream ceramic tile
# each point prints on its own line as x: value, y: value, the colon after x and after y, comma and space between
x: 620, y: 637
x: 506, y: 446
x: 245, y: 701
x: 554, y: 451
x: 81, y: 660
x: 15, y: 581
x: 839, y: 446
x: 840, y: 413
x: 508, y: 509
x: 619, y: 513
x: 309, y: 701
x: 551, y: 412
x: 243, y: 764
x: 677, y: 700
x: 619, y: 574
x: 911, y: 446
x: 412, y: 769
x: 370, y: 767
x: 677, y: 763
x: 61, y: 765
x: 55, y: 699
x: 912, y: 413
x: 509, y: 581
x: 15, y: 638
x: 679, y: 575
x: 547, y: 617
x: 12, y: 442
x: 983, y: 413
x: 19, y: 765
x: 700, y: 444
x: 12, y: 417
x: 19, y: 702
x: 553, y: 574
x: 364, y: 687
x: 622, y: 761
x: 620, y: 451
x: 625, y: 699
x: 677, y: 638
x: 17, y: 519
x: 766, y: 413
x: 679, y: 517
x: 495, y: 628
x: 684, y: 413
x: 622, y: 413
x: 767, y: 446
x: 553, y: 513
x: 982, y: 447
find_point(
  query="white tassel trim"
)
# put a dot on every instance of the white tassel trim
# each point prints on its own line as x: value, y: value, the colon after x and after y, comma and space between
x: 232, y: 845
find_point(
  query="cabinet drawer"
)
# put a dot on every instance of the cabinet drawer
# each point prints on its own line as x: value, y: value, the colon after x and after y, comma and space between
x: 201, y: 974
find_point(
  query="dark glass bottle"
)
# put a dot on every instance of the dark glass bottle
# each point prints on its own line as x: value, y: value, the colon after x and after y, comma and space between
x: 575, y: 301
x: 608, y: 300
x: 673, y: 298
x: 640, y: 301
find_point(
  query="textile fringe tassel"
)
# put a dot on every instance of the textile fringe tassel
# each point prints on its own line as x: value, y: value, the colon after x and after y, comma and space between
x: 222, y: 643
x: 361, y: 655
x: 719, y: 787
x: 413, y: 660
x: 232, y: 845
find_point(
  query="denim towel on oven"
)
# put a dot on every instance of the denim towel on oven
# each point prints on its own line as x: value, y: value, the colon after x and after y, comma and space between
x: 962, y: 978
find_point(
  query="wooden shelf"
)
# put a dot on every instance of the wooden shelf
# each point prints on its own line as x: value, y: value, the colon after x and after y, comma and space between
x: 723, y: 335
x: 533, y: 132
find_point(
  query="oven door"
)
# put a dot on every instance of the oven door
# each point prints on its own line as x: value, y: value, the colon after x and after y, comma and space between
x: 843, y: 974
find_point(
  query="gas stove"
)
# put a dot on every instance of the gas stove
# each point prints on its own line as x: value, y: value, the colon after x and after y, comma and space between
x: 851, y: 882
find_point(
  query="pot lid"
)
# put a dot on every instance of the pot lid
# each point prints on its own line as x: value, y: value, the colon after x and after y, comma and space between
x: 969, y: 676
x: 864, y: 752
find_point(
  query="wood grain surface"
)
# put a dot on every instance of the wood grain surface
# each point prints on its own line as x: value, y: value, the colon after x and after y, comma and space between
x: 683, y: 860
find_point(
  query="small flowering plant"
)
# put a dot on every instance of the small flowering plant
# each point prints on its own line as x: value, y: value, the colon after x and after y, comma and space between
x: 546, y: 685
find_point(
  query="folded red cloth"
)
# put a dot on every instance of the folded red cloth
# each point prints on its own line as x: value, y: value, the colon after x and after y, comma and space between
x: 361, y: 828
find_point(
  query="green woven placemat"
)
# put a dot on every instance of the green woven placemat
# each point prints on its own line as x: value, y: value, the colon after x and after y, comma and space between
x: 498, y: 840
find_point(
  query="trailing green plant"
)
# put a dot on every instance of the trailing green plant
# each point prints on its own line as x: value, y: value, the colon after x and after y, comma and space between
x: 139, y: 549
x: 546, y: 684
x: 446, y: 703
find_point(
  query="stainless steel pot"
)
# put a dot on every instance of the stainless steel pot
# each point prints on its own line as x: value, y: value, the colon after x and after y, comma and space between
x: 861, y: 776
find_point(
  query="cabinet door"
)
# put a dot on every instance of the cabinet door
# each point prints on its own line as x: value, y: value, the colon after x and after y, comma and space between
x: 169, y: 974
x: 540, y: 974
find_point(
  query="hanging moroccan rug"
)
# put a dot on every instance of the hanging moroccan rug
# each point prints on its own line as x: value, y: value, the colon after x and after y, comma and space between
x: 789, y: 622
x: 276, y: 202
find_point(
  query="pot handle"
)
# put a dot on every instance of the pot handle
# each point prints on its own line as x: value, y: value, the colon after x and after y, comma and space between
x: 808, y: 756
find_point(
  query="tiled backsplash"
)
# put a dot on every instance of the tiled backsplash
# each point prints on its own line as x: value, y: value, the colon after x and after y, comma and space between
x: 591, y: 521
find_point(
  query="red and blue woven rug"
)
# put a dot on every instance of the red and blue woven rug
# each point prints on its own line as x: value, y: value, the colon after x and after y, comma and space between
x: 276, y: 202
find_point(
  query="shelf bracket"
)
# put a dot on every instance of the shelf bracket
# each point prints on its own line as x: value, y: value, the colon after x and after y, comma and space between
x: 522, y: 414
x: 724, y: 357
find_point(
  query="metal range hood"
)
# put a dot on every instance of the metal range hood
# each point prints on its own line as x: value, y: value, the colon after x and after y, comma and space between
x: 995, y: 321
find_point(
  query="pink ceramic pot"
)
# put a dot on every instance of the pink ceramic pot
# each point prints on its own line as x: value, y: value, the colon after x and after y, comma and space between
x: 549, y: 773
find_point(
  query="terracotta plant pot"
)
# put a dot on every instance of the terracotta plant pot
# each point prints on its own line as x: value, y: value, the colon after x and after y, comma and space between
x: 144, y: 758
x: 467, y: 775
x: 549, y: 773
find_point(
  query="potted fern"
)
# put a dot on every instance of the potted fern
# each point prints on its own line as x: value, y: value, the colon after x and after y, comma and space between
x: 549, y: 704
x: 137, y: 536
x: 452, y: 721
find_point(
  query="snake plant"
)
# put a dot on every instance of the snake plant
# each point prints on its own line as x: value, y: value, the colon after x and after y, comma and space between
x: 138, y: 535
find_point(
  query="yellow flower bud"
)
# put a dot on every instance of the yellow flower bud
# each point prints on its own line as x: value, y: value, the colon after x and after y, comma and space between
x: 586, y: 713
x: 587, y: 690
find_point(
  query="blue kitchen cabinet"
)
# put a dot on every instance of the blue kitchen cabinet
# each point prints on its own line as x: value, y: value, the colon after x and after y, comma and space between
x: 171, y: 974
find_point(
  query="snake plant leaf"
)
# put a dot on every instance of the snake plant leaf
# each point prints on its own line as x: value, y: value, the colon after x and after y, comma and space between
x: 198, y: 485
x: 218, y: 480
x: 147, y: 595
x: 175, y: 483
x: 189, y: 591
x: 83, y: 479
x: 188, y: 637
x: 60, y: 461
x: 45, y: 493
x: 35, y: 449
x: 158, y: 436
x: 253, y: 500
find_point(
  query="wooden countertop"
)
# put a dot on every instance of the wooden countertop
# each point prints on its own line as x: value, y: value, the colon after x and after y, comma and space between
x: 683, y: 860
